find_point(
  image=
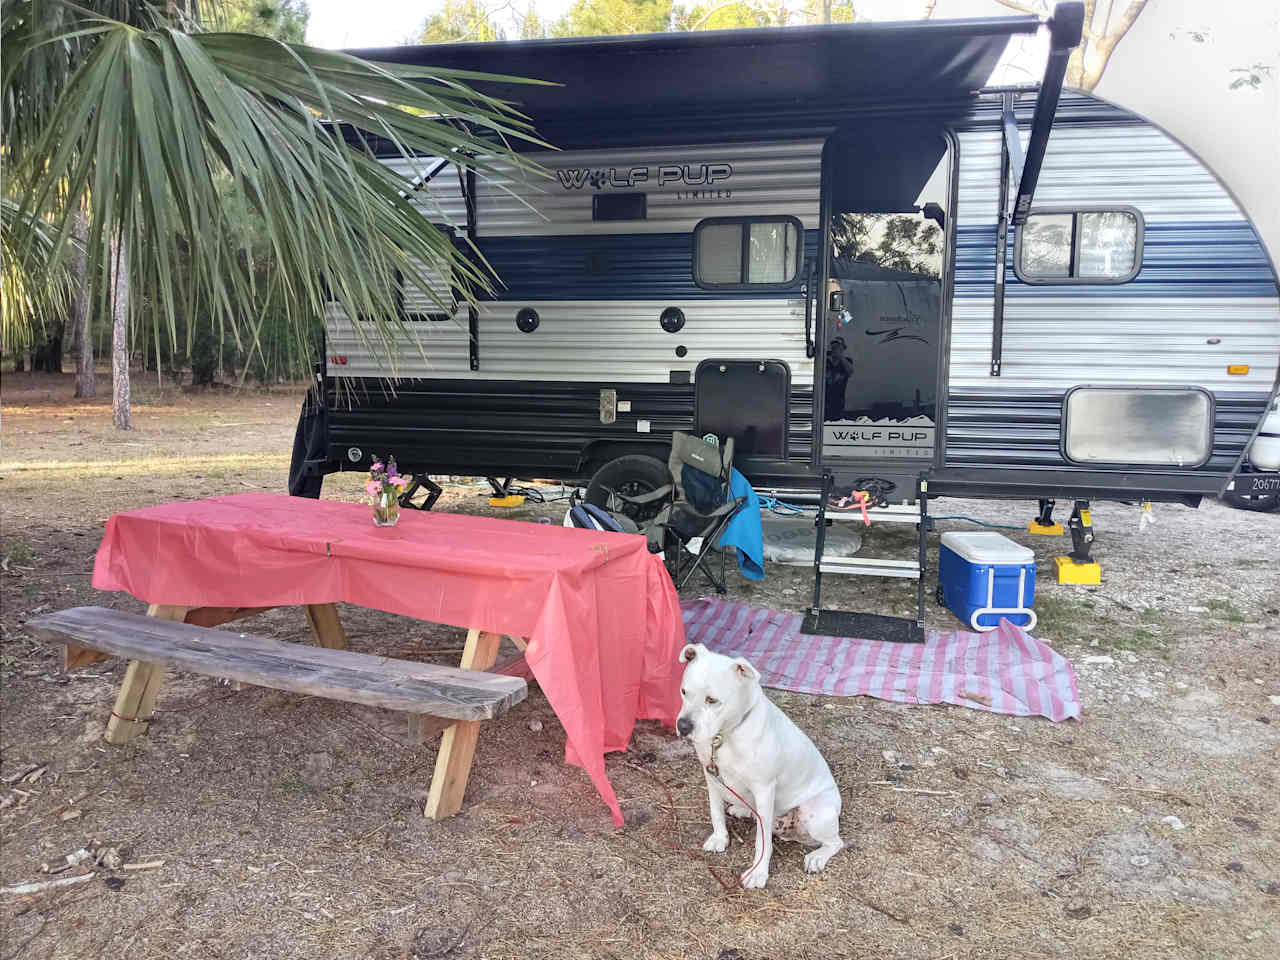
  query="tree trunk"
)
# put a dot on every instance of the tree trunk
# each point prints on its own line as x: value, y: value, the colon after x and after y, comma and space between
x: 47, y: 354
x: 81, y: 318
x: 71, y: 342
x: 120, y: 414
x: 1095, y: 60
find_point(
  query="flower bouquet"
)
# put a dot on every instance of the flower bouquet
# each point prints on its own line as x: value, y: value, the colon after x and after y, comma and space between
x: 384, y: 488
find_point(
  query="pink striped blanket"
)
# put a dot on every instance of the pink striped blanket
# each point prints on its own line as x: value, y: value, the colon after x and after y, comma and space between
x: 1003, y: 671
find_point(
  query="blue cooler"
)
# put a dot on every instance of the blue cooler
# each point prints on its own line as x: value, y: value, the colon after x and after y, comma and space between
x: 983, y: 576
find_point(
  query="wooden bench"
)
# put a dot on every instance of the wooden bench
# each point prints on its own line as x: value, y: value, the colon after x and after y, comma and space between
x: 464, y: 695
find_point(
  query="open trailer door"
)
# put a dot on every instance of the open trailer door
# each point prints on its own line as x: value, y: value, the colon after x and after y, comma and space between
x: 889, y: 185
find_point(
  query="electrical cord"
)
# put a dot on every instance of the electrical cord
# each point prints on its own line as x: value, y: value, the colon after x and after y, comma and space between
x: 981, y: 523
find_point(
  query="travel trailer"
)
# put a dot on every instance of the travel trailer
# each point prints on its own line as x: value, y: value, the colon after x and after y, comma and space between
x: 834, y: 244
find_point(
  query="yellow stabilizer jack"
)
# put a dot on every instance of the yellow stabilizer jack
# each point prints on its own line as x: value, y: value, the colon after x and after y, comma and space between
x: 1087, y: 574
x: 1046, y: 529
x: 514, y: 500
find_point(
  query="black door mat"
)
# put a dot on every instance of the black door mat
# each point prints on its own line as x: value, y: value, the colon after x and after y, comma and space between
x: 862, y: 626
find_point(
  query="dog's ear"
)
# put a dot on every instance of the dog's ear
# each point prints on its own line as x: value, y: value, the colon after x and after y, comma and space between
x: 689, y: 652
x: 744, y: 669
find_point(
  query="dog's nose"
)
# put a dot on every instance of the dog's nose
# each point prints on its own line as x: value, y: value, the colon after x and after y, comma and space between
x: 684, y: 726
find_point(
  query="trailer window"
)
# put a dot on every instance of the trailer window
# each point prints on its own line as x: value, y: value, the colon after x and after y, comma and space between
x: 747, y: 252
x: 436, y: 301
x: 1163, y: 426
x: 1079, y: 246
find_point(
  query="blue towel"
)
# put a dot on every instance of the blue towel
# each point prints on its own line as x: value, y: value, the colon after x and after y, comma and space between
x: 743, y: 531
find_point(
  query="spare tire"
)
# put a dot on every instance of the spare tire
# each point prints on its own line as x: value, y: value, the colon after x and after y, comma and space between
x: 630, y: 475
x: 1258, y: 502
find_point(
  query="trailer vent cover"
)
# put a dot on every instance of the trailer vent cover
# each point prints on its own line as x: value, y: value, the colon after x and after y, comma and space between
x: 671, y: 319
x: 527, y: 320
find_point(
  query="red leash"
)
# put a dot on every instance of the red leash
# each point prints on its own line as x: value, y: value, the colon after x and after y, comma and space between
x: 714, y: 769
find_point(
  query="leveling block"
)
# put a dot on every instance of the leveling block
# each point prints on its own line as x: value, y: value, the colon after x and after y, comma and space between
x: 1045, y: 529
x: 512, y: 500
x: 1069, y: 571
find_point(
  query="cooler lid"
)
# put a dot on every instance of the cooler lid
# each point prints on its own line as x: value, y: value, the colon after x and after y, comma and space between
x: 986, y: 546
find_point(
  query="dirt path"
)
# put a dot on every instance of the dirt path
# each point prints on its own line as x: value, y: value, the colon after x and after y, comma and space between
x: 291, y: 827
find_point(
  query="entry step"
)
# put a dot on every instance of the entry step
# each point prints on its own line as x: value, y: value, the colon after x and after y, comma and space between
x: 871, y: 567
x: 893, y: 513
x: 861, y: 566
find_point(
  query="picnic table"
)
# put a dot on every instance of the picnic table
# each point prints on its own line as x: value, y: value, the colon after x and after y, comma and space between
x: 597, y: 613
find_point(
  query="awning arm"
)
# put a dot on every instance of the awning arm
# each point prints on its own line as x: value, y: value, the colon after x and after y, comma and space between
x: 420, y: 182
x: 1066, y: 27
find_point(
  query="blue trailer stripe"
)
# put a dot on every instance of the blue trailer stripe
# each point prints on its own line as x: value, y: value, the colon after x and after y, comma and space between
x: 617, y: 267
x: 1192, y: 259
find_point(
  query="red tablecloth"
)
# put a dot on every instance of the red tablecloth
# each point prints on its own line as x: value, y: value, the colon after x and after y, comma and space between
x: 600, y: 613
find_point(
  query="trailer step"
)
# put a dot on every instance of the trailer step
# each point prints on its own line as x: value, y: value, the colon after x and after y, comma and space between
x: 869, y: 567
x: 893, y: 513
x: 863, y: 626
x: 906, y: 569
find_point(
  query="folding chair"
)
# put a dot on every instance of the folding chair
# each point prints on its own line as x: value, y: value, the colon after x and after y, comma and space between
x: 700, y: 508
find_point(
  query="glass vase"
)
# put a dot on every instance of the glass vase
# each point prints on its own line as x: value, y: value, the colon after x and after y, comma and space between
x: 386, y: 510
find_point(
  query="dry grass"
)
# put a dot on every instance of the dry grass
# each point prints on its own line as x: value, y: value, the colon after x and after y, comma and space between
x: 291, y: 827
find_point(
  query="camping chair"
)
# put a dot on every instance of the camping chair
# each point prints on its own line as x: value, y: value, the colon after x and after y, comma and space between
x: 700, y: 506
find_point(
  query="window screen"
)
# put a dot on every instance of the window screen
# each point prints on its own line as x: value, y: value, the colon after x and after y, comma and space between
x: 1081, y: 246
x: 1168, y: 426
x: 747, y: 252
x: 720, y: 253
x: 1108, y: 244
x: 438, y: 300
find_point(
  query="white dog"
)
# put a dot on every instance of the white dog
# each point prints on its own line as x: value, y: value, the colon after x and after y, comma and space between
x: 749, y: 747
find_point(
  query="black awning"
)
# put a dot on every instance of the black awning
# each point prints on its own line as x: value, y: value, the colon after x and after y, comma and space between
x: 650, y: 74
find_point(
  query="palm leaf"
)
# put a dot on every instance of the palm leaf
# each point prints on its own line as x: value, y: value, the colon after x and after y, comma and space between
x: 31, y: 290
x: 153, y: 124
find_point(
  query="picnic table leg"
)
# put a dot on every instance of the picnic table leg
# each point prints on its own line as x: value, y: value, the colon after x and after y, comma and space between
x: 458, y: 746
x: 142, y: 680
x: 422, y: 727
x: 326, y: 626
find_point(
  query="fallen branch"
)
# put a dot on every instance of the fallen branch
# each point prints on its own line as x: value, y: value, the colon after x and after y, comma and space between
x: 22, y: 774
x: 1153, y: 791
x: 67, y: 862
x: 872, y: 905
x: 78, y: 798
x: 147, y: 865
x: 919, y: 790
x: 24, y: 889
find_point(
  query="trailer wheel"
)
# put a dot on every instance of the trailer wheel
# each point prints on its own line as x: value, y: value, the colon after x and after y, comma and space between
x: 630, y: 475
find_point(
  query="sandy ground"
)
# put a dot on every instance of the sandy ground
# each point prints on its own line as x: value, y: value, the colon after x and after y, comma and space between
x: 291, y: 827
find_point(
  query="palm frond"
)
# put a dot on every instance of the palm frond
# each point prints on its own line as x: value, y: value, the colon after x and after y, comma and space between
x: 152, y: 124
x: 32, y: 292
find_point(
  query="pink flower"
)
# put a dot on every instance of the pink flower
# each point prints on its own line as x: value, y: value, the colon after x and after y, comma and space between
x: 373, y: 487
x: 400, y: 482
x: 378, y: 465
